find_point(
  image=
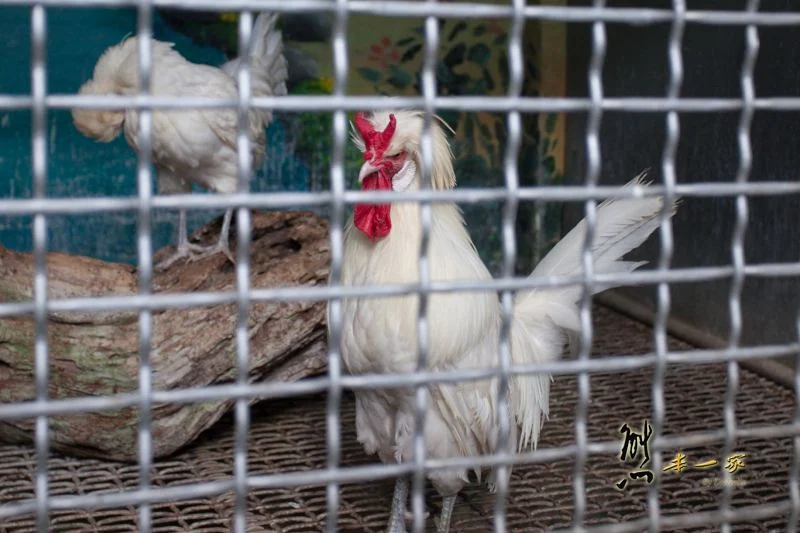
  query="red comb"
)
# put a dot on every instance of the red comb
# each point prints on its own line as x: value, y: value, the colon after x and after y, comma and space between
x: 376, y: 141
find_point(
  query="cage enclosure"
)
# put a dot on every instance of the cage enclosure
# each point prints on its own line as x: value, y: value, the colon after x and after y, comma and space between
x: 221, y: 394
x: 471, y: 61
x: 707, y: 150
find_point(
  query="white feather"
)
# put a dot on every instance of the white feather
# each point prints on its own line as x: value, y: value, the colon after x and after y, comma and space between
x: 189, y: 146
x: 380, y: 334
x: 268, y: 67
x: 622, y: 225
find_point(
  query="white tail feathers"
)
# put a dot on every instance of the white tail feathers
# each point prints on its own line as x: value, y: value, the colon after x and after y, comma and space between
x: 621, y: 226
x: 544, y: 318
x: 269, y: 68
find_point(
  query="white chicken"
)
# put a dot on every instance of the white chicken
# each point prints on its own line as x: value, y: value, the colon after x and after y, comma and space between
x: 379, y: 335
x: 189, y: 146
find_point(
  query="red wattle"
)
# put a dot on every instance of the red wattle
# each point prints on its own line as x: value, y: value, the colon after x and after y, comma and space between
x: 374, y: 219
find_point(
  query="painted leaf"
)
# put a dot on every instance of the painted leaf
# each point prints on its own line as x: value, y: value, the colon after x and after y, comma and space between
x: 479, y: 53
x: 443, y: 75
x: 479, y: 30
x: 398, y: 77
x: 532, y: 159
x: 530, y: 123
x: 533, y: 71
x: 477, y: 87
x: 500, y: 130
x: 459, y: 81
x: 455, y: 56
x: 461, y: 26
x: 502, y: 65
x: 469, y: 128
x: 406, y: 41
x: 488, y: 79
x: 369, y: 74
x: 500, y: 40
x: 411, y: 53
x: 485, y: 131
x: 418, y: 81
x: 550, y: 123
x: 549, y: 164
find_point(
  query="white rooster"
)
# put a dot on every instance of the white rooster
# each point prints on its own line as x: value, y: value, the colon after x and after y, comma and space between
x: 379, y: 335
x: 189, y: 146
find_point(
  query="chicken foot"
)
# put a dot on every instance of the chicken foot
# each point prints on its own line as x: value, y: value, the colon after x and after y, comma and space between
x: 222, y: 244
x: 184, y: 249
x: 195, y: 252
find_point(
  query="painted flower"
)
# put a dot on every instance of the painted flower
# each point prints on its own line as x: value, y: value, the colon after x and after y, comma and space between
x: 384, y: 53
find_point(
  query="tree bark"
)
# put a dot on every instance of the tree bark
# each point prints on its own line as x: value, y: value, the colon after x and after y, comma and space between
x: 97, y: 353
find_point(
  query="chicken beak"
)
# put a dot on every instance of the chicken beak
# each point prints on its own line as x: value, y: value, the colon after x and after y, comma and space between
x: 366, y: 169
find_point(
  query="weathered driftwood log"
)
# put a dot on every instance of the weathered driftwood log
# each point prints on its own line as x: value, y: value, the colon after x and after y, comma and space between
x: 97, y: 354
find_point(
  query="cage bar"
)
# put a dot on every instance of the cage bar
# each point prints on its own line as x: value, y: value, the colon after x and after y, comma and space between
x: 336, y: 384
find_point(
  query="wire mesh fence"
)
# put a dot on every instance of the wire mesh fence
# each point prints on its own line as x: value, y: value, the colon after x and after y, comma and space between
x: 334, y: 387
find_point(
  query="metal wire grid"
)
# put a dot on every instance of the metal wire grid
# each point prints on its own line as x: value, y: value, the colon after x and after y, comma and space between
x: 513, y: 104
x: 289, y: 435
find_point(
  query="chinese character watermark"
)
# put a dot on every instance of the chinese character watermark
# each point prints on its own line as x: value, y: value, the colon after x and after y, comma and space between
x: 635, y: 450
x: 636, y: 444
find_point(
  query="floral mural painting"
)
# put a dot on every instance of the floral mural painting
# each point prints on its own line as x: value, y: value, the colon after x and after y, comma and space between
x: 385, y: 53
x: 385, y: 57
x: 472, y: 61
x: 468, y: 65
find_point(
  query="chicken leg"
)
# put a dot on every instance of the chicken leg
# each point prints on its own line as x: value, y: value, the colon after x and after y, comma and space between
x: 195, y: 252
x: 397, y: 520
x: 184, y: 247
x: 170, y: 183
x: 448, y: 503
x: 399, y: 515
